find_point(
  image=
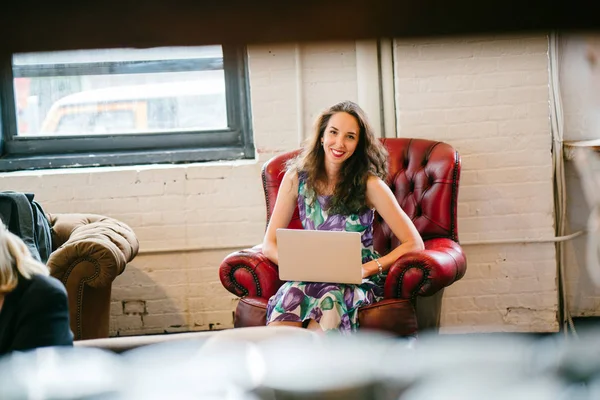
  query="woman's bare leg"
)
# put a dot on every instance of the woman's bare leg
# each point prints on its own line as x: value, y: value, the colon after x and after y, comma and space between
x: 314, y: 326
x: 285, y: 323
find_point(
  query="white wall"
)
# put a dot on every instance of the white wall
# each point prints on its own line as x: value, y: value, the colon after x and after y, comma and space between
x: 579, y: 86
x: 487, y: 97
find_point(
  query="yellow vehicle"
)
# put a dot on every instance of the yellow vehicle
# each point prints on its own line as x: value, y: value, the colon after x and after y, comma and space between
x: 173, y: 106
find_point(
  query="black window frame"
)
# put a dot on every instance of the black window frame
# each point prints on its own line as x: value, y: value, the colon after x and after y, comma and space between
x: 43, y: 152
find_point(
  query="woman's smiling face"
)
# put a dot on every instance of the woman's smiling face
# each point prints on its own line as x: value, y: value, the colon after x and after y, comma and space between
x: 340, y: 138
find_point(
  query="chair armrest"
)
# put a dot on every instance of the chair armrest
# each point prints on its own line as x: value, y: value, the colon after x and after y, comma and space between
x: 249, y: 273
x: 423, y: 273
x: 102, y: 245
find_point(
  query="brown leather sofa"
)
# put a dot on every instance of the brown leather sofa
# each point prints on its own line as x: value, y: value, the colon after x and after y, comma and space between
x: 88, y: 252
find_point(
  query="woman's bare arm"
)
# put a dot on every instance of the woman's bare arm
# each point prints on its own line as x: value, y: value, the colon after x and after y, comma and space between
x: 382, y: 199
x: 282, y: 213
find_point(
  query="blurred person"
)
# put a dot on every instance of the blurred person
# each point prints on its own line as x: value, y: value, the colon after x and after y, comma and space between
x: 33, y: 305
x: 337, y: 183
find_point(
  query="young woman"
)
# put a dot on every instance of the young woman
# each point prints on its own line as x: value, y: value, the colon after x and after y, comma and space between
x: 33, y: 306
x: 337, y: 184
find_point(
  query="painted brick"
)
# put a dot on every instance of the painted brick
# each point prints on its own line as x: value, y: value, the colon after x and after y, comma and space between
x: 18, y: 181
x: 214, y: 303
x: 146, y: 292
x: 162, y: 203
x: 117, y: 178
x: 529, y: 234
x: 483, y: 145
x: 175, y: 187
x: 112, y: 191
x: 152, y: 233
x: 506, y: 175
x: 488, y: 97
x: 128, y: 322
x: 55, y: 193
x: 524, y: 46
x: 164, y: 218
x: 213, y: 320
x: 144, y: 264
x: 505, y: 222
x: 73, y: 178
x: 498, y: 191
x: 164, y: 321
x: 165, y: 306
x: 134, y: 307
x: 112, y: 206
x: 162, y: 173
x: 116, y: 308
x: 172, y: 277
x: 531, y: 127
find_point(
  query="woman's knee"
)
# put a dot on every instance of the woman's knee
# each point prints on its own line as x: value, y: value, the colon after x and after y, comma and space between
x: 314, y: 326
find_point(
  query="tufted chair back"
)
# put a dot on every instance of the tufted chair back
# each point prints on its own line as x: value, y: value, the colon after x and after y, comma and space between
x: 424, y: 177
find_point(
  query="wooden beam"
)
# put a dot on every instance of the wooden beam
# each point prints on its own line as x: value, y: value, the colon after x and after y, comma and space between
x: 37, y: 25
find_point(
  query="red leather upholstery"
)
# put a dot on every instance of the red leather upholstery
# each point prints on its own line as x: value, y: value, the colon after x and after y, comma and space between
x: 272, y: 175
x: 249, y: 273
x: 424, y: 176
x: 251, y: 311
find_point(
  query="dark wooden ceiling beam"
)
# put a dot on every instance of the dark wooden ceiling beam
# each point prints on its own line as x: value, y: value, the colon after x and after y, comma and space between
x: 59, y: 25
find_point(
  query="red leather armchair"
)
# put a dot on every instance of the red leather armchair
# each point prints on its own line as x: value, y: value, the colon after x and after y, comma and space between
x: 424, y: 177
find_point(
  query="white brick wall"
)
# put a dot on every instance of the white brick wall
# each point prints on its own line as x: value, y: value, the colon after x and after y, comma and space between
x: 329, y: 76
x: 487, y: 97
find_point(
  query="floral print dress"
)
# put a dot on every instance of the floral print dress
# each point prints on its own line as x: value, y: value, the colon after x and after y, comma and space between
x: 334, y: 306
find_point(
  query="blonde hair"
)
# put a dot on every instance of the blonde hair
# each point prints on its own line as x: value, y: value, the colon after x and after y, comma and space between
x: 16, y: 259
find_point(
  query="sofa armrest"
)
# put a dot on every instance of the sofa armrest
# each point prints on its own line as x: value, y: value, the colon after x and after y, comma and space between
x: 423, y: 273
x: 101, y: 244
x: 249, y: 273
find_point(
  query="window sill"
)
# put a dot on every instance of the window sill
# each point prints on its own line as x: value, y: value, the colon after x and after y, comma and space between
x: 124, y: 160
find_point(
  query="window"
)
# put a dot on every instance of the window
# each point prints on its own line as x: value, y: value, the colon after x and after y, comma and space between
x: 124, y: 106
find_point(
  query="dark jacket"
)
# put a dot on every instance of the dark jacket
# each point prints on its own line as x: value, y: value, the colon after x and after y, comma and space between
x: 35, y: 314
x: 25, y: 218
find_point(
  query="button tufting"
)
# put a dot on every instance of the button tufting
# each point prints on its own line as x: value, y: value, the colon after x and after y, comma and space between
x: 418, y: 211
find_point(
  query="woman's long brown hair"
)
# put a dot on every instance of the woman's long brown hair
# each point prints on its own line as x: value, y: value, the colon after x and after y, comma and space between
x: 369, y: 158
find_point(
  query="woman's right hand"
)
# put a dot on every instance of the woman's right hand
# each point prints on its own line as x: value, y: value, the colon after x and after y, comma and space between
x: 369, y: 269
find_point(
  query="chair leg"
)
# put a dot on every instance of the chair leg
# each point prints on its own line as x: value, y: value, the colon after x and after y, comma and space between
x: 429, y: 311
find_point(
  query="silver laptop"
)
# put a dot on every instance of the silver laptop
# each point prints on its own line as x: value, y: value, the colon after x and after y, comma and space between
x: 319, y: 256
